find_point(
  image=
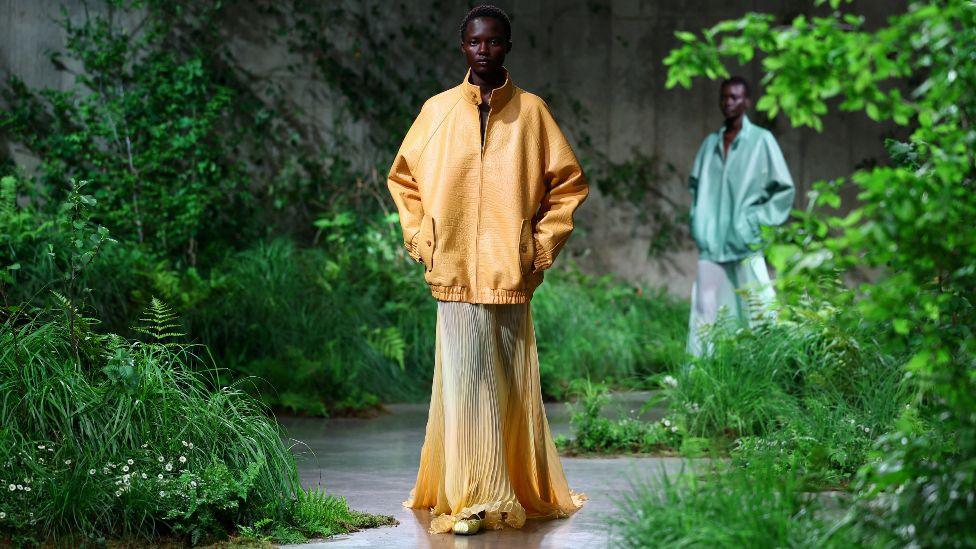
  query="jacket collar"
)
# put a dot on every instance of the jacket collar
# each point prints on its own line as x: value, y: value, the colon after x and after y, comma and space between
x: 743, y: 133
x: 499, y: 96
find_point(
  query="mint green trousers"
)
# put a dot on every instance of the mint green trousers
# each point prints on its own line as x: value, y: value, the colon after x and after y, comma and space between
x: 738, y: 289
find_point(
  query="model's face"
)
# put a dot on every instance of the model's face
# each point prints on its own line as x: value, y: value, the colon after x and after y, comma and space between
x: 733, y: 101
x: 485, y: 46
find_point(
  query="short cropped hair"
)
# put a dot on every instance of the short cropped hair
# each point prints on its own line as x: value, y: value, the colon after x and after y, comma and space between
x: 737, y: 80
x: 493, y: 12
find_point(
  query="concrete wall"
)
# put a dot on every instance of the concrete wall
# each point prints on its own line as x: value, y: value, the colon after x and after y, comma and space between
x: 607, y: 55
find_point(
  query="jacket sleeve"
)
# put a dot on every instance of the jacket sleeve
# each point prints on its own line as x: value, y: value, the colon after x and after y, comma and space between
x: 695, y: 176
x: 405, y: 189
x: 778, y: 190
x: 566, y: 189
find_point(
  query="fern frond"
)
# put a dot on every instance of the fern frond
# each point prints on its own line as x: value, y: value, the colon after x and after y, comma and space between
x: 160, y: 323
x: 388, y: 342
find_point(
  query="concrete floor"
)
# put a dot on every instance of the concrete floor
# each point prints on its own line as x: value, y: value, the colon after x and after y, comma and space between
x: 373, y: 463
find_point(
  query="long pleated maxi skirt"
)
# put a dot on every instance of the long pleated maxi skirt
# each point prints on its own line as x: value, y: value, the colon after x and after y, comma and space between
x: 488, y: 446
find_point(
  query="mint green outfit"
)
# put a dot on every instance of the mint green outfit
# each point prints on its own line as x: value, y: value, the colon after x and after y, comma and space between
x: 730, y: 199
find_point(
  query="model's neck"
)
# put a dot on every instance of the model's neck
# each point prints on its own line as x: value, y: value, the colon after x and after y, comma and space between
x: 489, y: 82
x: 733, y: 124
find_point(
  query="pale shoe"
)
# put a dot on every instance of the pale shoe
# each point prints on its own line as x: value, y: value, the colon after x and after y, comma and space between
x: 468, y: 526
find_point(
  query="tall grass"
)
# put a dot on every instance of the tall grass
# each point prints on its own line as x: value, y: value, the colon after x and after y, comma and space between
x: 593, y: 328
x: 716, y: 506
x: 319, y: 335
x: 811, y: 389
x: 133, y: 439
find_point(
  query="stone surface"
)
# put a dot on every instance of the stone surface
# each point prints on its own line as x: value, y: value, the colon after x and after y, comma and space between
x: 373, y: 463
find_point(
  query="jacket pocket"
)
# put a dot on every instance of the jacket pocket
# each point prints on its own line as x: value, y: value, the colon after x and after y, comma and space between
x: 526, y: 247
x: 747, y: 230
x: 426, y: 242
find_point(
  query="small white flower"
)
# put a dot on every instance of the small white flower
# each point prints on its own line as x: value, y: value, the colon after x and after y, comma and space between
x: 904, y: 441
x: 118, y: 493
x: 27, y: 488
x: 145, y: 445
x: 125, y: 478
x: 67, y: 462
x: 674, y: 429
x: 91, y: 471
x: 125, y: 468
x: 20, y: 486
x: 190, y: 445
x: 666, y: 422
x: 41, y: 447
x: 50, y: 449
x: 670, y: 381
x: 193, y: 484
x: 159, y: 476
x: 3, y: 515
x: 130, y: 462
x: 12, y: 487
x: 169, y: 466
x: 144, y: 475
x: 162, y: 493
x: 104, y: 470
x: 160, y: 459
x: 867, y: 429
x: 184, y: 442
x: 182, y: 459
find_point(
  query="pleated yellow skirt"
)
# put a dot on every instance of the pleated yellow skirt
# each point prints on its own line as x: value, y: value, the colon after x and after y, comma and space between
x: 488, y: 446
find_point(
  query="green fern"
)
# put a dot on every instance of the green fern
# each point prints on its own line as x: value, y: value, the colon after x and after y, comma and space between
x: 389, y: 342
x: 160, y: 323
x: 83, y: 324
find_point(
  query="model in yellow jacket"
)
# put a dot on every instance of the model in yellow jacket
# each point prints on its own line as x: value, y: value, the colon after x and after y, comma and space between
x: 486, y: 186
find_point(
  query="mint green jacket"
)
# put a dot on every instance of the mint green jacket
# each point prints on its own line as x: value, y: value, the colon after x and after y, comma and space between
x: 731, y: 197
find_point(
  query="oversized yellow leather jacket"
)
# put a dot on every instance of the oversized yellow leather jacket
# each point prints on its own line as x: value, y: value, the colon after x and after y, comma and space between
x: 485, y: 220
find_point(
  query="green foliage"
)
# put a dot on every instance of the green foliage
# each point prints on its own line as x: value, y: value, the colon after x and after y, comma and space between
x: 160, y: 323
x: 912, y: 226
x: 159, y: 453
x: 711, y: 505
x: 319, y: 339
x: 143, y: 126
x: 812, y: 389
x: 634, y: 335
x: 593, y: 433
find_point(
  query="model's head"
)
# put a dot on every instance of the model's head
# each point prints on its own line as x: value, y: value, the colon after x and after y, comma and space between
x: 486, y: 38
x: 735, y: 97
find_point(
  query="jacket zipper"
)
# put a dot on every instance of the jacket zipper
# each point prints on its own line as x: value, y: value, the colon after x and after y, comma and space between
x: 481, y: 180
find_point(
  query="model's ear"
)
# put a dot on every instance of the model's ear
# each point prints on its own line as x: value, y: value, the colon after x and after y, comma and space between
x: 508, y: 47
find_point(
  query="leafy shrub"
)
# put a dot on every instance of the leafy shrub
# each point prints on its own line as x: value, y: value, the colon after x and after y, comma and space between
x: 593, y: 433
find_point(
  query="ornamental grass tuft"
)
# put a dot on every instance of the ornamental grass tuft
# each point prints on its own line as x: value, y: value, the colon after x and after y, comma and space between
x: 137, y: 440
